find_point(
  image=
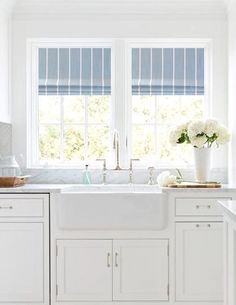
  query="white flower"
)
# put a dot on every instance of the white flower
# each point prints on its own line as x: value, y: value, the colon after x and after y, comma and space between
x: 196, y: 128
x: 171, y: 179
x: 174, y: 137
x: 223, y: 136
x: 176, y: 133
x: 198, y: 141
x: 211, y: 127
x: 165, y: 178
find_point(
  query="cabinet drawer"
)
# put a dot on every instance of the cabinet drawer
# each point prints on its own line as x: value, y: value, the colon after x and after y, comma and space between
x: 198, y: 206
x: 22, y: 207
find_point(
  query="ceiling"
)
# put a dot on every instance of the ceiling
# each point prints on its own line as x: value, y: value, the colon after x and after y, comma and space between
x: 109, y: 8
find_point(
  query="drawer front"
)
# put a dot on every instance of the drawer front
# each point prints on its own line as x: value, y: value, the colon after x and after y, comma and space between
x: 198, y: 206
x: 22, y: 207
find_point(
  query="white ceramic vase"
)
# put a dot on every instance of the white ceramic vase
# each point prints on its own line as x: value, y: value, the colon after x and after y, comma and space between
x: 202, y: 162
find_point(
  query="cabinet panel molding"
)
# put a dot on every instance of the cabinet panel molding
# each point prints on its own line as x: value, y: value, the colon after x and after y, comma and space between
x: 84, y: 270
x: 199, y: 261
x: 140, y: 270
x: 21, y: 262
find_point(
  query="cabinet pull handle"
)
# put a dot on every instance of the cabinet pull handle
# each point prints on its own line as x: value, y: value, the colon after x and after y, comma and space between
x: 108, y: 260
x: 116, y: 259
x: 203, y: 225
x: 198, y: 206
x: 10, y: 207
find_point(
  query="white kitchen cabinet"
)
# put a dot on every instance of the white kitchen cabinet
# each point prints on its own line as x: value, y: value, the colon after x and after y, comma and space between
x: 21, y: 262
x: 84, y: 270
x: 94, y: 270
x: 24, y: 249
x: 229, y: 261
x: 199, y: 261
x: 140, y: 270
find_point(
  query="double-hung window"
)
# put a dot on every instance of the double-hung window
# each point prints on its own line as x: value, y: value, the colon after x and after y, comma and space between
x: 168, y: 88
x: 72, y: 104
x: 75, y: 100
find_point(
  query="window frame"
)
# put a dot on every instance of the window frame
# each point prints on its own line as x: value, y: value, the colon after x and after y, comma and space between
x: 121, y: 95
x: 168, y: 43
x: 32, y: 158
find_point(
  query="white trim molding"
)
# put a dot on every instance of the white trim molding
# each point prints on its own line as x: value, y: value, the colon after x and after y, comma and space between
x: 124, y: 9
x: 121, y: 96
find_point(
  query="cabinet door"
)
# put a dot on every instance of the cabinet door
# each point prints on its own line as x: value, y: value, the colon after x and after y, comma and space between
x: 199, y: 261
x: 21, y: 262
x: 140, y: 270
x: 84, y: 270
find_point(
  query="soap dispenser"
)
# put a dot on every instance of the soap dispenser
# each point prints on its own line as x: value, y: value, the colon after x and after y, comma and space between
x: 86, y: 175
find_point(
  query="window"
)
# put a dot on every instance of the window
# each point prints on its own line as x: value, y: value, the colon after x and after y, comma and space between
x: 73, y: 104
x: 82, y: 90
x: 167, y: 89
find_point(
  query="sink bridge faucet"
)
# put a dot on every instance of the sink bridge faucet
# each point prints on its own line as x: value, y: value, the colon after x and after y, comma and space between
x: 116, y: 148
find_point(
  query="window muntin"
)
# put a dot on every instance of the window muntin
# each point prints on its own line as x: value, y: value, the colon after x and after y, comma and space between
x: 73, y: 128
x: 152, y: 119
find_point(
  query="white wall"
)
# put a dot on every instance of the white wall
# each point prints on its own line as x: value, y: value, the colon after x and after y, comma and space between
x: 232, y: 90
x: 4, y: 66
x: 215, y: 29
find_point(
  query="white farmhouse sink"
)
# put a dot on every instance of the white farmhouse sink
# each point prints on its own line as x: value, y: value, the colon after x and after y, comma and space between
x: 111, y: 207
x: 111, y: 188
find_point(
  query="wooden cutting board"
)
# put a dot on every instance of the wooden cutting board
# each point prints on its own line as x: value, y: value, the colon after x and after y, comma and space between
x: 196, y: 185
x: 13, y: 181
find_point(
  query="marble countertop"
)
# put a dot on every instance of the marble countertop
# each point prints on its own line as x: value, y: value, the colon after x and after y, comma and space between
x: 229, y: 207
x: 57, y: 188
x: 34, y: 188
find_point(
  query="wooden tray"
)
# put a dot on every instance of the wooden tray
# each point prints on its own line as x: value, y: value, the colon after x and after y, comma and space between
x: 196, y: 185
x: 13, y: 181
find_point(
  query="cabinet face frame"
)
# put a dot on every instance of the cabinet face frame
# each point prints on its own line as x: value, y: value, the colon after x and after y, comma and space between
x: 182, y: 228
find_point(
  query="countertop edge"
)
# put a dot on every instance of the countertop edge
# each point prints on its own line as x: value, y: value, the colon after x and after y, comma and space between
x: 57, y: 188
x: 229, y: 208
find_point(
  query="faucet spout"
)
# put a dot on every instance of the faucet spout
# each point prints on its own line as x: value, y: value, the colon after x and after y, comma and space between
x: 116, y: 147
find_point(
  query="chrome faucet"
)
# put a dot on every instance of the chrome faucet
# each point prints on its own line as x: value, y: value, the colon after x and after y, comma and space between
x: 116, y: 147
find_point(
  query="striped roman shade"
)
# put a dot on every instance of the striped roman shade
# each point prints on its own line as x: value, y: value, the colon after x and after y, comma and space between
x: 167, y: 71
x: 74, y: 71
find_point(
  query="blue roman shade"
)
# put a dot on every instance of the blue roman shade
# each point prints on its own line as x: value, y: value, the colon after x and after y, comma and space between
x: 74, y: 71
x: 168, y: 71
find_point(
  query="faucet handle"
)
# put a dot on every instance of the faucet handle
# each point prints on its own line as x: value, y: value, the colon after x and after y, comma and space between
x: 104, y: 163
x: 131, y: 163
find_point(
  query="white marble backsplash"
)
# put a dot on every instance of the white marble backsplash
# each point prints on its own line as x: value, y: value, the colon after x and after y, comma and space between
x: 140, y: 176
x: 5, y: 139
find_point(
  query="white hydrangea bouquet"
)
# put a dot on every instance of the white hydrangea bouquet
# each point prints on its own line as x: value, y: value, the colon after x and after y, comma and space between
x: 200, y: 133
